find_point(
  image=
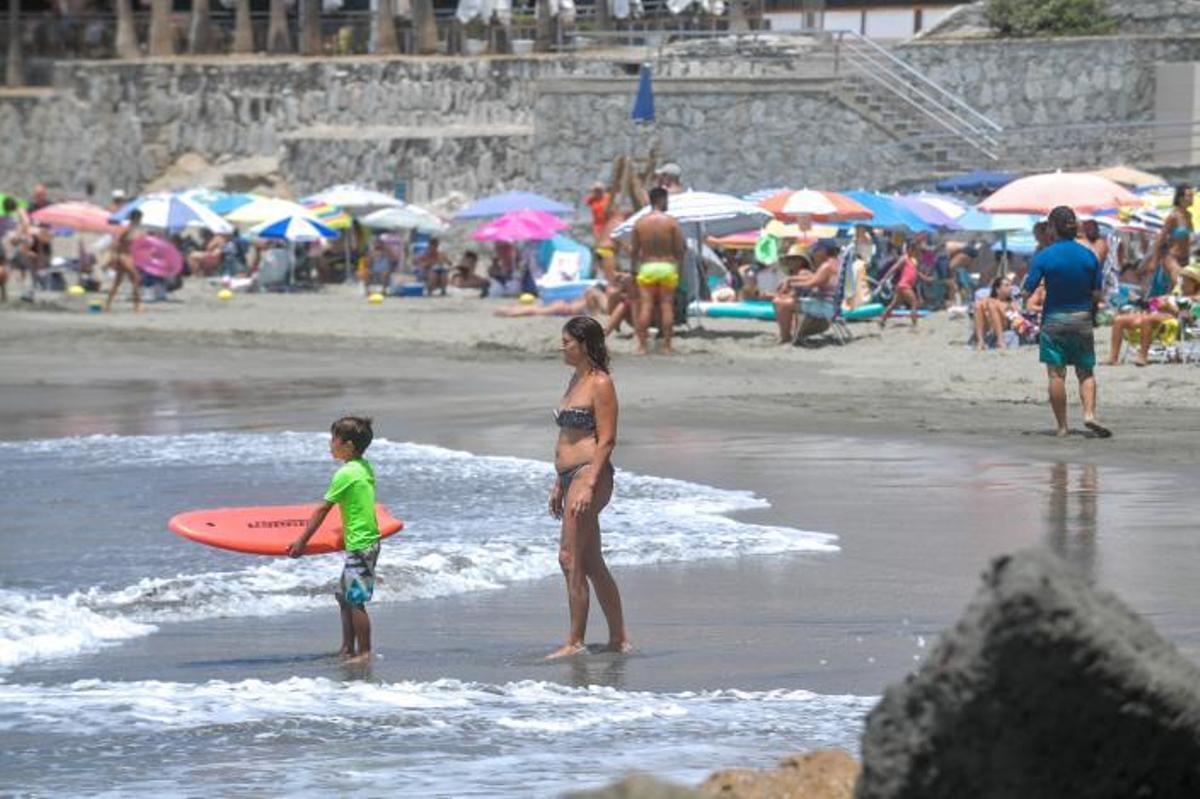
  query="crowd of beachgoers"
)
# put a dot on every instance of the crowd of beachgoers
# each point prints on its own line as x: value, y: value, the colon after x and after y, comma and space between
x: 807, y: 260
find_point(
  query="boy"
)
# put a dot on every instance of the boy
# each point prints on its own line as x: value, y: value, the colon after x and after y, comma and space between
x: 353, y: 490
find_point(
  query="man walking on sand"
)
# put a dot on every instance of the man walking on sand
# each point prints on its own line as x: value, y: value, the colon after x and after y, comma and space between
x: 1074, y: 282
x: 658, y: 251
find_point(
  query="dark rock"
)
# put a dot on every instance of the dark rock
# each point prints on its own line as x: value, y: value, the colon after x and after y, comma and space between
x: 1046, y: 688
x: 638, y: 786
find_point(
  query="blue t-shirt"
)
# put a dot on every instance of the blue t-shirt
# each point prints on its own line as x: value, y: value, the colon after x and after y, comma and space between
x: 1071, y: 272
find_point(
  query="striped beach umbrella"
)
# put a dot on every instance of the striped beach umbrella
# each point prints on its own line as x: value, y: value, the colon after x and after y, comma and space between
x: 820, y: 206
x: 172, y: 213
x: 331, y: 216
x: 294, y: 228
x: 715, y: 214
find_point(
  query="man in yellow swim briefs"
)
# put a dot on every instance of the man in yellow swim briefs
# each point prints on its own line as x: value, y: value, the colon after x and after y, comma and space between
x: 658, y: 250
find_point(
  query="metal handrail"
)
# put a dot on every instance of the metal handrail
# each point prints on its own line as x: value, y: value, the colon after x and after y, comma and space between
x: 859, y: 39
x: 941, y: 120
x: 877, y: 64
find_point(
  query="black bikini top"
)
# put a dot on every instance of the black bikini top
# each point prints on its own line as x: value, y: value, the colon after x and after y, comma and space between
x: 575, y: 418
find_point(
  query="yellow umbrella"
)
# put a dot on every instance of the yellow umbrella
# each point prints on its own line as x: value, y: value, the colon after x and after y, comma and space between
x: 1128, y: 176
x: 266, y: 209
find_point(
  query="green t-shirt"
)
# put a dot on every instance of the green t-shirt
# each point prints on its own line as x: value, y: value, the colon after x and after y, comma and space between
x: 353, y: 489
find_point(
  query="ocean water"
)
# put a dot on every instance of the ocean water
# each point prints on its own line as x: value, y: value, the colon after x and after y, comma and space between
x: 89, y: 569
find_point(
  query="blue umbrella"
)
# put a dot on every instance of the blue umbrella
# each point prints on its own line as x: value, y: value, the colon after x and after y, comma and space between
x: 975, y: 182
x: 889, y: 213
x: 294, y: 228
x: 978, y: 221
x: 509, y: 201
x: 643, y: 104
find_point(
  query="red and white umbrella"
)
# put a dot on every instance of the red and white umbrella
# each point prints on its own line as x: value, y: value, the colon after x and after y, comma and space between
x: 820, y: 206
x: 156, y: 256
x: 1039, y: 194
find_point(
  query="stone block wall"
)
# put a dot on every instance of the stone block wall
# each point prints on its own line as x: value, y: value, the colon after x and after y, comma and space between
x: 1052, y: 81
x: 121, y: 124
x: 727, y: 135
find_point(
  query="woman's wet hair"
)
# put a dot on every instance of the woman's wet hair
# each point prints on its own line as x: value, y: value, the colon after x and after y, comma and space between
x: 588, y: 332
x: 1180, y: 192
x: 355, y: 430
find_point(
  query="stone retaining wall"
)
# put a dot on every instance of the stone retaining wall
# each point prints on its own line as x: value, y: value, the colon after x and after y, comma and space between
x: 733, y: 119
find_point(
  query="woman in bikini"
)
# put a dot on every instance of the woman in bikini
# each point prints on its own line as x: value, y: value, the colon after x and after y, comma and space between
x: 121, y: 262
x: 587, y: 422
x: 1172, y: 249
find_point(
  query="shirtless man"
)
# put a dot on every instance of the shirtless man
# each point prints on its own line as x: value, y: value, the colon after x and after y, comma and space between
x: 658, y: 250
x: 436, y: 266
x: 121, y: 261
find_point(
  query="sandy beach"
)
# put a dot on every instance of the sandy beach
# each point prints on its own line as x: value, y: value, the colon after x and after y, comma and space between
x: 924, y: 458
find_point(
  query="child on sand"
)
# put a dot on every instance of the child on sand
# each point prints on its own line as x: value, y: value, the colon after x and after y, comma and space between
x: 353, y: 491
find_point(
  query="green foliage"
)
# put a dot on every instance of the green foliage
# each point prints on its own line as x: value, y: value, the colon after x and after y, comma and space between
x: 1049, y: 17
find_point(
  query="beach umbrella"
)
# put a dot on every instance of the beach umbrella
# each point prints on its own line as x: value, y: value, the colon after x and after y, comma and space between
x: 716, y: 214
x: 949, y: 206
x: 977, y: 221
x: 643, y: 103
x: 888, y: 213
x: 1128, y: 176
x: 1038, y: 194
x: 500, y: 204
x: 328, y: 215
x: 759, y: 195
x: 821, y: 206
x: 406, y: 217
x: 219, y: 202
x: 172, y: 213
x: 294, y: 228
x: 928, y: 214
x: 356, y: 200
x: 520, y: 226
x: 980, y: 180
x: 156, y: 256
x: 265, y: 209
x: 78, y: 216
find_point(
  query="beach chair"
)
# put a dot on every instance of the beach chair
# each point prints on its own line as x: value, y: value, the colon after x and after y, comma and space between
x: 275, y: 270
x: 830, y: 307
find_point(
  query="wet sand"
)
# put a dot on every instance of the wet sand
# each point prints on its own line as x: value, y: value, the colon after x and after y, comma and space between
x: 924, y: 458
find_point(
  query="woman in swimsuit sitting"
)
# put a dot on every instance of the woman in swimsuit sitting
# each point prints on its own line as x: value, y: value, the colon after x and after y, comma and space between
x: 587, y: 422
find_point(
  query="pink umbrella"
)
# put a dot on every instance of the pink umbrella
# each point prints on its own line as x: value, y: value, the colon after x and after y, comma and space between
x: 75, y: 216
x: 1038, y: 194
x: 520, y: 226
x: 156, y: 256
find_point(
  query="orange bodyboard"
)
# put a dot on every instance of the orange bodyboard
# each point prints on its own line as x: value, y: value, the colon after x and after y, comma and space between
x: 270, y: 530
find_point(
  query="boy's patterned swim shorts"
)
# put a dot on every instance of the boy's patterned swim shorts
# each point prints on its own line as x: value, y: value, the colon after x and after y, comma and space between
x: 358, y: 576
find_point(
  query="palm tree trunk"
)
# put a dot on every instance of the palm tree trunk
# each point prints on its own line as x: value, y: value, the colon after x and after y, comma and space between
x: 385, y: 34
x: 310, y: 27
x: 161, y: 43
x: 278, y: 40
x: 127, y: 42
x: 424, y: 27
x: 243, y: 28
x: 545, y: 27
x: 200, y: 28
x: 14, y: 67
x: 737, y: 16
